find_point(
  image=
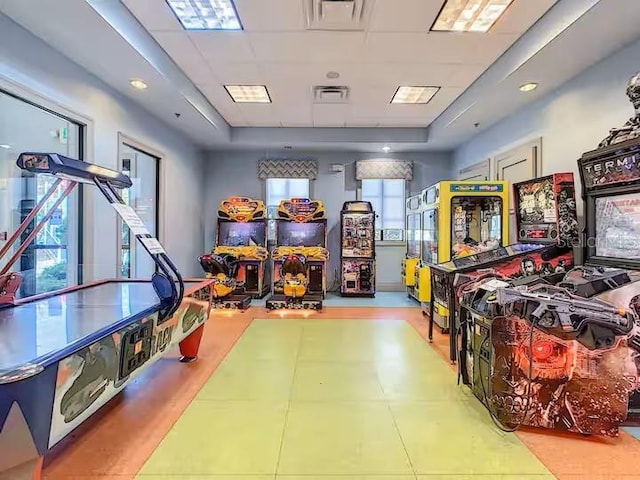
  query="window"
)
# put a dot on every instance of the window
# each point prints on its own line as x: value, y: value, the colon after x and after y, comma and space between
x: 388, y: 200
x: 143, y: 168
x: 279, y: 189
x: 52, y: 260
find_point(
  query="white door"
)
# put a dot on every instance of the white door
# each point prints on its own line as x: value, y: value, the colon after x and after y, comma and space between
x: 517, y: 165
x: 479, y: 171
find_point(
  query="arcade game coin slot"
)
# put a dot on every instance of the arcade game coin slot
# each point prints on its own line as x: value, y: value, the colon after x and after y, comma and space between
x: 357, y: 256
x: 299, y: 259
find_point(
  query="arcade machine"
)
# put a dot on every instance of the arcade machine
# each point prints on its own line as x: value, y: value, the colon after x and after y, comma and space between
x: 458, y: 220
x: 547, y: 230
x: 414, y: 244
x: 65, y: 354
x: 238, y: 263
x: 357, y: 259
x: 300, y: 256
x: 567, y: 357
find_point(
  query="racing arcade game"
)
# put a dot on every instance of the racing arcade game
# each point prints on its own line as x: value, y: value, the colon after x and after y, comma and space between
x: 547, y: 230
x: 300, y: 256
x: 238, y: 263
x: 567, y: 357
x: 357, y: 259
x: 414, y: 232
x: 67, y: 353
x: 458, y: 219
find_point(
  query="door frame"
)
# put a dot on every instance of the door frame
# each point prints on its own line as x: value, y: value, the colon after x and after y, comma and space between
x: 124, y: 139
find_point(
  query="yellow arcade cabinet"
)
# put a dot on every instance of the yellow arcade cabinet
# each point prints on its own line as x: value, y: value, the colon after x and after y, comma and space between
x: 459, y: 218
x: 238, y: 263
x: 414, y: 243
x: 300, y: 255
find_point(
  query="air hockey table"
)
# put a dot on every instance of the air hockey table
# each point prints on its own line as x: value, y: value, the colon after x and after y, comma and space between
x: 65, y: 354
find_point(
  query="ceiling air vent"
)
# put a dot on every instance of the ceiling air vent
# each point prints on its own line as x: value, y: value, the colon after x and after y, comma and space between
x: 330, y: 94
x: 337, y: 14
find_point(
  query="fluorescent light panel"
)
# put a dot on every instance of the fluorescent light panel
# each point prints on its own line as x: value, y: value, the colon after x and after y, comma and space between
x: 414, y: 94
x: 469, y: 15
x: 206, y: 14
x: 248, y: 93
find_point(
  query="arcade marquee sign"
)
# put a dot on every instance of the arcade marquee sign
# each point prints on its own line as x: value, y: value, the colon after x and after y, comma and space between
x: 610, y: 171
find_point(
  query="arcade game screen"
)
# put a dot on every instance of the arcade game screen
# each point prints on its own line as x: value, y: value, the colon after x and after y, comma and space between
x: 476, y: 225
x: 235, y: 234
x: 618, y: 226
x: 291, y: 234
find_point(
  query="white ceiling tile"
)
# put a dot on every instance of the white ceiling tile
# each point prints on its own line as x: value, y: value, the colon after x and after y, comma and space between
x: 291, y: 116
x: 154, y: 15
x: 238, y: 73
x: 271, y: 15
x: 330, y: 115
x: 404, y: 15
x: 219, y: 46
x: 521, y: 15
x: 307, y: 47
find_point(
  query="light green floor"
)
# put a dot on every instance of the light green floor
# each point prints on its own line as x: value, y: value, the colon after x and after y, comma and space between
x: 337, y: 400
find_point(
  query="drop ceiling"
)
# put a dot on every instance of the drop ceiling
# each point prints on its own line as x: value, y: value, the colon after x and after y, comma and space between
x: 278, y: 48
x: 390, y: 46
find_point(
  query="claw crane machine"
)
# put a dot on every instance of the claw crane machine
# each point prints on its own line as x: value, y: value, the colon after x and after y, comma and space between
x: 414, y: 244
x: 459, y: 218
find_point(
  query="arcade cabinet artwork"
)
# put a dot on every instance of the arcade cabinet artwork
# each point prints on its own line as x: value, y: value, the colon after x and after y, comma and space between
x: 458, y: 219
x: 97, y: 337
x: 238, y: 264
x: 300, y: 256
x: 357, y: 262
x: 547, y: 226
x: 414, y: 244
x: 567, y: 356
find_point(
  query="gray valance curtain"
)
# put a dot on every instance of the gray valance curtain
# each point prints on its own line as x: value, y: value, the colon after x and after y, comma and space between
x: 384, y: 168
x: 288, y: 169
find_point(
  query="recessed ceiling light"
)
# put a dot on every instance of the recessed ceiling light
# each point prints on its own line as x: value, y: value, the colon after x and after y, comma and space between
x: 206, y: 14
x: 4, y: 145
x: 386, y: 149
x: 469, y: 15
x: 528, y: 87
x: 333, y: 75
x: 248, y: 93
x: 139, y: 84
x: 414, y: 94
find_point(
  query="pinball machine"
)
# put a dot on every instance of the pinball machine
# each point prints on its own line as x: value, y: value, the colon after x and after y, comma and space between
x: 238, y: 264
x: 299, y: 259
x: 567, y: 356
x: 547, y: 230
x: 414, y: 243
x: 459, y: 219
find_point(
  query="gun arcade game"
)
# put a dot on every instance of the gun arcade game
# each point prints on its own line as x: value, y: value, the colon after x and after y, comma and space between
x: 65, y: 354
x: 238, y: 264
x: 300, y: 256
x: 357, y: 260
x: 414, y: 232
x: 458, y: 219
x: 567, y: 357
x: 547, y: 230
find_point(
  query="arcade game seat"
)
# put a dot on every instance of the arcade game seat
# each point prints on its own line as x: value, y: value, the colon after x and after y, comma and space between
x: 294, y: 273
x: 223, y: 269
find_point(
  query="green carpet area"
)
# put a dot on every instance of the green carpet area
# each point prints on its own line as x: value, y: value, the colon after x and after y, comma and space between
x: 337, y: 400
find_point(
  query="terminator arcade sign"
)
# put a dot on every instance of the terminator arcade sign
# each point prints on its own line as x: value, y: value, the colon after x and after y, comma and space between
x: 610, y: 171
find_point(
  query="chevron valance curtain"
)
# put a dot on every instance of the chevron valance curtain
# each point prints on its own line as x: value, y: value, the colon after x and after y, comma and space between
x: 288, y: 169
x: 384, y: 168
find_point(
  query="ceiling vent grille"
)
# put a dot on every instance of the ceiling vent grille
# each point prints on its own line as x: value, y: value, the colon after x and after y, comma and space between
x: 337, y: 14
x: 330, y: 94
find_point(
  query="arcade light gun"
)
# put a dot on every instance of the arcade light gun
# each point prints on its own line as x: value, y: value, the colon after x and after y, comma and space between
x: 593, y: 323
x: 243, y: 252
